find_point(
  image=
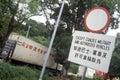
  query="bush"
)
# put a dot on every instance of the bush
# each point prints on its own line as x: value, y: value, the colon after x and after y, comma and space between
x: 98, y: 78
x: 8, y: 72
x: 48, y: 76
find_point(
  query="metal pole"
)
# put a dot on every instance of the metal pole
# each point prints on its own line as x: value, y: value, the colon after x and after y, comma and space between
x: 84, y: 73
x: 28, y: 31
x: 51, y: 42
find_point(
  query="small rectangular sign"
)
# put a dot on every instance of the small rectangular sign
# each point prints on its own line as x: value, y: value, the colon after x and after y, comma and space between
x: 92, y: 50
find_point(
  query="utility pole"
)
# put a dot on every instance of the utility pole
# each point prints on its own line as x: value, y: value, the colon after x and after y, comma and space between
x: 51, y: 42
x: 28, y: 31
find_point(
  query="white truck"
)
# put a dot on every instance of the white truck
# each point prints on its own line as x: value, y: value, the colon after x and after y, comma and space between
x: 29, y: 51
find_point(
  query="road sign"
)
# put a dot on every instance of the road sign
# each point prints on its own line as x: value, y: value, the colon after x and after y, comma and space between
x: 97, y: 19
x: 94, y: 52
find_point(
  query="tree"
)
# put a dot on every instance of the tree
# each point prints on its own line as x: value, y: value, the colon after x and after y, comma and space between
x: 74, y: 11
x: 114, y: 70
x: 38, y: 29
x: 73, y: 16
x: 13, y: 13
x: 38, y: 32
x: 74, y: 68
x: 62, y: 47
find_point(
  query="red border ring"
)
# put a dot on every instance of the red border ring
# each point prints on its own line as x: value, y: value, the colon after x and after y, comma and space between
x: 104, y: 27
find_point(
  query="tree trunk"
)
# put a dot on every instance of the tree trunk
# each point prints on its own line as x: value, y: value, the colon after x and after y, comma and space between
x: 1, y: 43
x: 111, y: 77
x: 6, y: 36
x: 10, y: 26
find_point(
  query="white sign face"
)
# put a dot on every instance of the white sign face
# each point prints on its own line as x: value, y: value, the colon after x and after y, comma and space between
x: 92, y: 50
x: 97, y: 19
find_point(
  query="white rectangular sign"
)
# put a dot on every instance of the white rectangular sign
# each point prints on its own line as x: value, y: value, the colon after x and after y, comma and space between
x: 92, y: 50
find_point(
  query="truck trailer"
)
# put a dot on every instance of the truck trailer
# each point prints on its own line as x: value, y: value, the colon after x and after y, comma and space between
x: 25, y: 50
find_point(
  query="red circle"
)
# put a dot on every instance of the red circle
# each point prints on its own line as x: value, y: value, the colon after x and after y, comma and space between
x: 104, y: 27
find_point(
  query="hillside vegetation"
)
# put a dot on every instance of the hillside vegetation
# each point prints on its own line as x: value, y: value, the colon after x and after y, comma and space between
x: 12, y: 72
x: 9, y: 72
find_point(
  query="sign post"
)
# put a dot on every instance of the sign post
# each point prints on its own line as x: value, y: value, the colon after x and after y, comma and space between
x: 83, y: 76
x: 95, y: 21
x: 89, y: 51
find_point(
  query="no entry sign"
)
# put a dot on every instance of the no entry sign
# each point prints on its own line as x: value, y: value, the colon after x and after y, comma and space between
x: 97, y: 19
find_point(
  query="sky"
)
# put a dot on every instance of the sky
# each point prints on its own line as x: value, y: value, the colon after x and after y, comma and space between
x: 42, y: 19
x: 113, y: 32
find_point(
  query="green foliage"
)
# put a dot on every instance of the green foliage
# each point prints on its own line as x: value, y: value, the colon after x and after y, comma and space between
x: 98, y: 78
x: 37, y: 29
x: 79, y: 78
x: 62, y: 46
x: 117, y: 49
x: 41, y: 40
x: 74, y: 11
x: 27, y: 8
x: 13, y: 13
x: 48, y: 76
x: 73, y: 68
x: 38, y: 32
x: 33, y: 6
x: 4, y: 16
x: 115, y: 65
x: 114, y: 70
x: 8, y: 72
x: 20, y: 31
x: 2, y: 30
